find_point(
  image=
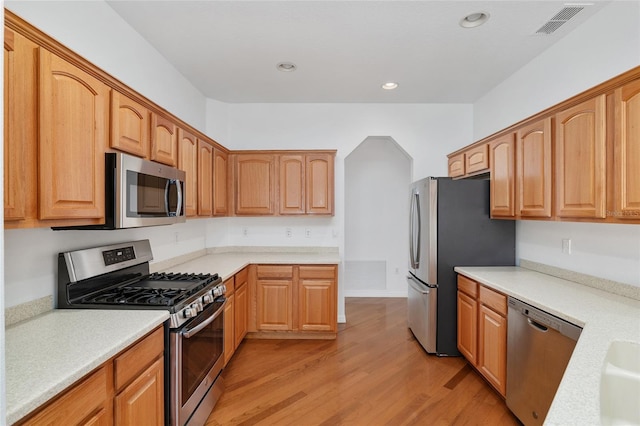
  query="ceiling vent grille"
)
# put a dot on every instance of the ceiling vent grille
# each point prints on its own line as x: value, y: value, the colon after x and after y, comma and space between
x: 559, y: 19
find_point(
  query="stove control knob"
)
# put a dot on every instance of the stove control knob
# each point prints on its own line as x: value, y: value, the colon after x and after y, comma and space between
x: 207, y: 298
x: 197, y: 306
x: 189, y: 312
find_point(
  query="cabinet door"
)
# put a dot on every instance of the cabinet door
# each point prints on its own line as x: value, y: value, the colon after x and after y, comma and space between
x: 229, y: 327
x: 188, y: 162
x: 20, y: 127
x: 580, y: 172
x: 316, y: 305
x: 468, y: 327
x: 164, y: 140
x: 292, y: 184
x: 533, y: 151
x: 142, y: 402
x: 205, y: 179
x: 319, y: 184
x: 492, y: 347
x: 502, y: 157
x: 255, y: 184
x: 73, y: 135
x: 456, y: 165
x: 627, y: 152
x: 477, y: 159
x: 220, y: 183
x: 129, y: 126
x: 274, y: 309
x: 241, y: 318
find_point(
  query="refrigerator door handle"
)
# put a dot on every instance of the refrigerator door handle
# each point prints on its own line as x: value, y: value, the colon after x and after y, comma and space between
x: 414, y: 246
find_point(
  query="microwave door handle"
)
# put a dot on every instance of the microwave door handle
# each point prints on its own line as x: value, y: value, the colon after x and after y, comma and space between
x: 179, y: 190
x: 166, y: 197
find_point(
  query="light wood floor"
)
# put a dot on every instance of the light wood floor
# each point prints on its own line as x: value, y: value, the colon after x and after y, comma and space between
x: 374, y: 373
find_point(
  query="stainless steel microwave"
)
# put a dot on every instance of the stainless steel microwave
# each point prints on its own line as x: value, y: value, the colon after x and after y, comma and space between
x: 140, y: 193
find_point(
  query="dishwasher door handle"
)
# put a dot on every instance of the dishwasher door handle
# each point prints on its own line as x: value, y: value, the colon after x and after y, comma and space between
x: 537, y: 325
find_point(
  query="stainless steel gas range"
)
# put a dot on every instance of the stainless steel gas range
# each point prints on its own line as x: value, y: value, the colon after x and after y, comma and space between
x: 117, y: 277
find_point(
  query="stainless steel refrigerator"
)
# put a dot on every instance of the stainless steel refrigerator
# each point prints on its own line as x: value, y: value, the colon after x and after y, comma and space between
x: 449, y: 226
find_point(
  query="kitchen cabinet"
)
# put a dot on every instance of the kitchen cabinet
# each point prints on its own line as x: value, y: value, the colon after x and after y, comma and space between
x: 470, y: 162
x: 456, y: 165
x: 255, y: 184
x: 229, y: 320
x: 188, y: 162
x: 482, y: 330
x: 241, y: 313
x: 126, y: 390
x: 300, y: 300
x: 220, y: 183
x: 274, y: 297
x: 502, y: 186
x: 205, y: 179
x: 627, y: 152
x: 129, y: 125
x: 580, y: 158
x: 533, y: 169
x: 20, y: 130
x: 317, y: 295
x: 164, y: 140
x: 292, y: 184
x: 74, y: 108
x: 319, y: 176
x: 468, y: 319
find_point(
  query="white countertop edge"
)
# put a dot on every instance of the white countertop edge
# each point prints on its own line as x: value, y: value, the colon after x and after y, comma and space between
x: 577, y: 400
x: 21, y: 405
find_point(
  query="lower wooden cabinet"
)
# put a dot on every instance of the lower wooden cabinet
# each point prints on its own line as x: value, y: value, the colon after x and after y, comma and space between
x: 126, y: 390
x: 229, y: 323
x: 236, y: 313
x: 482, y: 330
x: 295, y: 299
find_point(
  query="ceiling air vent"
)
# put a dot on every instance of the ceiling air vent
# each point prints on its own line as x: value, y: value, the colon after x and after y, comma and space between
x: 559, y: 19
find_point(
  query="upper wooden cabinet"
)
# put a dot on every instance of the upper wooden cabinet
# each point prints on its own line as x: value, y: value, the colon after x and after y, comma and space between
x: 533, y: 169
x: 205, y: 179
x: 626, y: 173
x: 188, y: 162
x: 74, y: 109
x: 470, y: 162
x: 292, y: 184
x: 129, y: 125
x: 502, y: 186
x: 164, y: 140
x: 20, y: 129
x: 220, y: 183
x: 319, y: 184
x: 580, y: 157
x: 255, y: 184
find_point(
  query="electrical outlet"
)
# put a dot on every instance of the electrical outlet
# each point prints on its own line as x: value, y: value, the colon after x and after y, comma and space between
x: 245, y: 231
x: 307, y: 233
x: 566, y: 245
x: 288, y: 232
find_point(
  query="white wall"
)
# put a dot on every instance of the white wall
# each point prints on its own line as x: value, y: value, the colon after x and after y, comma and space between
x: 95, y: 31
x: 425, y: 132
x: 603, y: 47
x: 377, y: 178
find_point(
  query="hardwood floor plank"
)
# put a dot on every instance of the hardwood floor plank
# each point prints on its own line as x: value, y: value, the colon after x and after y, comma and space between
x: 374, y: 373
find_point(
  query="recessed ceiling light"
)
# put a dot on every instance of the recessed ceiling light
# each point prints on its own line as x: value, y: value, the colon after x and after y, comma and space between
x: 286, y: 66
x: 474, y: 20
x: 389, y: 85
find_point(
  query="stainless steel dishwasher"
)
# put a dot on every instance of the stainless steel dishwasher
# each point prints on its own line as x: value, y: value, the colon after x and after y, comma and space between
x: 539, y: 346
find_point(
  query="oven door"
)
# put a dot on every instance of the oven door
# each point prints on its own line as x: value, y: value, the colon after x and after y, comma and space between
x: 197, y: 358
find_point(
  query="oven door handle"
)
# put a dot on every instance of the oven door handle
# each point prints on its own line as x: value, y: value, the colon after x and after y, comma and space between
x: 191, y: 332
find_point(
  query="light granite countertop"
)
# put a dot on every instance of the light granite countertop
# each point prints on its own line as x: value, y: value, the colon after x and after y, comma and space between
x: 605, y: 317
x: 48, y: 353
x: 229, y: 263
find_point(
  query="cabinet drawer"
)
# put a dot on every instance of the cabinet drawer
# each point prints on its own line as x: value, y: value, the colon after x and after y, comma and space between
x: 77, y: 404
x: 242, y: 276
x: 317, y: 272
x: 131, y: 363
x: 468, y: 286
x: 477, y: 159
x: 494, y: 300
x: 275, y: 271
x: 230, y: 284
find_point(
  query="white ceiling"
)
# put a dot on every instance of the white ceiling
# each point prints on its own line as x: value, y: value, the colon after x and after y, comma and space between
x: 345, y: 50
